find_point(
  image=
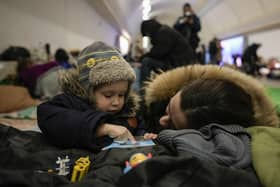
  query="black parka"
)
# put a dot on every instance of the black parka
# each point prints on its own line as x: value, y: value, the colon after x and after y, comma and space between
x: 69, y: 121
x: 168, y: 45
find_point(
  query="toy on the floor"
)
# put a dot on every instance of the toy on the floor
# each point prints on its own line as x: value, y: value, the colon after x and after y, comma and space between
x: 134, y: 160
x: 80, y: 169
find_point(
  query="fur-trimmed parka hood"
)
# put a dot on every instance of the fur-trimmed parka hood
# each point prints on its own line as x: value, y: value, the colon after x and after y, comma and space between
x: 132, y: 104
x: 164, y: 85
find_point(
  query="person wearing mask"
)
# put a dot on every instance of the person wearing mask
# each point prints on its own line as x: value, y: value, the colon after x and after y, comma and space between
x: 189, y: 25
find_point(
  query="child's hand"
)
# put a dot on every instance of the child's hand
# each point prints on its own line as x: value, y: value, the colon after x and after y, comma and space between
x: 116, y: 132
x: 148, y: 136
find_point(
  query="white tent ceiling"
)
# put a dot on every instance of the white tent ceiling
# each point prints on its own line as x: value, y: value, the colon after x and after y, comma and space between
x: 221, y: 18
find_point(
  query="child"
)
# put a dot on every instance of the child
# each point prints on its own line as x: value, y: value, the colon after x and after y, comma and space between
x: 96, y: 106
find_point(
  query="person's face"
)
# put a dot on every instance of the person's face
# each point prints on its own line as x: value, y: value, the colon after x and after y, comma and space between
x: 110, y: 98
x: 174, y: 117
x: 187, y: 9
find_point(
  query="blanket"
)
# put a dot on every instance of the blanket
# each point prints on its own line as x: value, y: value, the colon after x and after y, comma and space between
x: 25, y: 119
x: 28, y: 159
x: 14, y: 98
x: 26, y: 113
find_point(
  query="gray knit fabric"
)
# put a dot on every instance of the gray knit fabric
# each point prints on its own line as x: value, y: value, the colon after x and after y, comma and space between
x: 226, y: 145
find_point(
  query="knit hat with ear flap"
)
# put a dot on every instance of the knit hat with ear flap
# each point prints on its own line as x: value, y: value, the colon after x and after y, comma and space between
x: 97, y: 64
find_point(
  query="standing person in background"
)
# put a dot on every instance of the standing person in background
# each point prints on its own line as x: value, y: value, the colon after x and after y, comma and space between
x: 97, y: 105
x: 201, y: 53
x: 215, y: 51
x: 189, y: 25
x: 251, y: 59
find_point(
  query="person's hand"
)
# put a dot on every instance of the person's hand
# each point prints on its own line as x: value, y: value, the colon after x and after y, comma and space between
x: 182, y: 20
x: 116, y: 132
x: 149, y: 136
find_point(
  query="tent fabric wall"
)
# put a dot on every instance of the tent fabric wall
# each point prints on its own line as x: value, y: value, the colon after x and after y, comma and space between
x: 65, y: 23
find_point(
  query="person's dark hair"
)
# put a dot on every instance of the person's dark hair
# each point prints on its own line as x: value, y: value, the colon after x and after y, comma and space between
x: 206, y: 101
x: 187, y: 5
x: 61, y: 55
x: 149, y: 27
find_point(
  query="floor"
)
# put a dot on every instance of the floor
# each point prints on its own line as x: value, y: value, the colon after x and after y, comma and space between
x: 275, y: 83
x: 273, y: 90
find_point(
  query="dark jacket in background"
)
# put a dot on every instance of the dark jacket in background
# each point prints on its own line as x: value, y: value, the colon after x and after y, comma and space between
x: 250, y: 53
x: 68, y: 121
x: 250, y: 59
x: 168, y: 45
x: 189, y: 31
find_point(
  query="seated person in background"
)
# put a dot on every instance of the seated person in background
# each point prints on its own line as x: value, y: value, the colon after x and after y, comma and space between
x: 215, y: 51
x: 62, y: 58
x: 97, y: 105
x: 47, y: 84
x: 29, y: 72
x: 169, y: 49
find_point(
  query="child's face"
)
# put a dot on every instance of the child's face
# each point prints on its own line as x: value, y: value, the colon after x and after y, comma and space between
x: 111, y: 97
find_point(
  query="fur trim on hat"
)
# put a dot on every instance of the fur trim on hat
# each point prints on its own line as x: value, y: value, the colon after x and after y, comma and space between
x: 132, y: 103
x: 164, y: 85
